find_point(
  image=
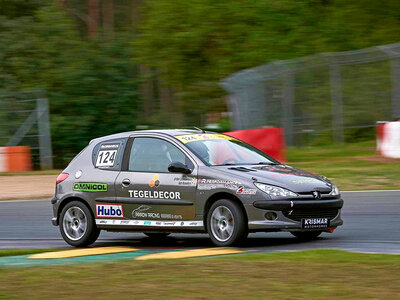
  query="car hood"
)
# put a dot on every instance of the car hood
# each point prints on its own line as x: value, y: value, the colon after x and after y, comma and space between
x: 284, y: 176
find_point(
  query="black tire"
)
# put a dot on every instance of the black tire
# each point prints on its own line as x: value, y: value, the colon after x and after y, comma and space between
x: 157, y: 235
x: 306, y: 235
x: 234, y: 217
x: 91, y: 232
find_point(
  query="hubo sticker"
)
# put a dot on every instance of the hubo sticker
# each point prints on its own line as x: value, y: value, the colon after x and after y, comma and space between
x: 154, y: 181
x: 90, y: 187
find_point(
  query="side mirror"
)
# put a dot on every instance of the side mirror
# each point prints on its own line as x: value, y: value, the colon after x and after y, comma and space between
x: 178, y: 167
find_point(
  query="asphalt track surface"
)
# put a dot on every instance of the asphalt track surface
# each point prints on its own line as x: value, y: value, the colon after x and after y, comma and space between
x: 371, y: 224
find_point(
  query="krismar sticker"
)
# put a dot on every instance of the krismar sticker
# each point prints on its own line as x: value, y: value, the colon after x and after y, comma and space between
x: 90, y: 187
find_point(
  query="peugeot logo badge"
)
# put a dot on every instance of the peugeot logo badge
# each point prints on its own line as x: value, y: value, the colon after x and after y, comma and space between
x: 316, y: 194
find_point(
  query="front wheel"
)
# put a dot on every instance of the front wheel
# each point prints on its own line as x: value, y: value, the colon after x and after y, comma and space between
x: 77, y: 225
x: 306, y: 235
x: 226, y: 223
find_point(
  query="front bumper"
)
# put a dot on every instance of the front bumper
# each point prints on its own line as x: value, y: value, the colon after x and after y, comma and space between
x: 298, y: 204
x: 290, y: 212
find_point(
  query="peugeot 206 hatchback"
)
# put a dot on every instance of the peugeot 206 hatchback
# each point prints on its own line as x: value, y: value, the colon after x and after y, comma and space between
x: 167, y: 181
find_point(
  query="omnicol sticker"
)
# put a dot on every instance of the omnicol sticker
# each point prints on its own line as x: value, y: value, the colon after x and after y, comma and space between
x: 90, y: 187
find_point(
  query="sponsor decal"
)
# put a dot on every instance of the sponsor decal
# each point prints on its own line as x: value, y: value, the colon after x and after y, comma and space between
x: 187, y: 138
x: 107, y: 154
x: 245, y: 191
x: 186, y: 180
x: 142, y: 212
x: 154, y: 182
x: 108, y: 210
x: 150, y: 223
x: 78, y: 174
x: 90, y: 187
x: 315, y: 223
x: 168, y: 223
x: 210, y: 184
x: 154, y: 194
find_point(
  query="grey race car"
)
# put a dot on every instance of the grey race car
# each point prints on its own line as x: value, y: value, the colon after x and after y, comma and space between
x: 165, y: 181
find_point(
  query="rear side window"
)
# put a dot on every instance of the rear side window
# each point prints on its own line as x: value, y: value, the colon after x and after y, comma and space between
x: 108, y: 154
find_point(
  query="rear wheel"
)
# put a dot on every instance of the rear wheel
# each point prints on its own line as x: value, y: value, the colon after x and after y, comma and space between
x: 306, y: 235
x: 226, y: 223
x: 157, y: 235
x: 77, y: 225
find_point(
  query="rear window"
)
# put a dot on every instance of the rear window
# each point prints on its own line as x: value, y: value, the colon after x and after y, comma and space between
x: 108, y: 154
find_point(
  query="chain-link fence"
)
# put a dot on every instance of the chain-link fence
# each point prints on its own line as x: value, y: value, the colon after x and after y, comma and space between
x: 320, y: 98
x: 24, y: 120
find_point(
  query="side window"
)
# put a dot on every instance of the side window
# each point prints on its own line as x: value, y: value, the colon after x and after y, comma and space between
x: 108, y: 154
x: 154, y: 155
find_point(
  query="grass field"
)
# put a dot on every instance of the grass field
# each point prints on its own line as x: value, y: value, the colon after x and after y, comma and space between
x: 354, y: 166
x: 314, y: 274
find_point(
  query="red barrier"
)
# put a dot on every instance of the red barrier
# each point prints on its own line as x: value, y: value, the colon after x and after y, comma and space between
x: 15, y: 159
x: 269, y: 140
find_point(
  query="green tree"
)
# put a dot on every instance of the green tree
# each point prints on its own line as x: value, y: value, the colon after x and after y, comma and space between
x: 90, y: 83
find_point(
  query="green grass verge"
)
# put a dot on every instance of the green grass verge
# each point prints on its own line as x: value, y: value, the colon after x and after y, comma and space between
x: 14, y: 252
x: 316, y: 274
x: 309, y: 154
x: 354, y: 166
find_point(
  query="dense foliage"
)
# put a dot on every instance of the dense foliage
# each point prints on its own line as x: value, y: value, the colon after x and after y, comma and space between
x: 106, y: 73
x: 91, y: 84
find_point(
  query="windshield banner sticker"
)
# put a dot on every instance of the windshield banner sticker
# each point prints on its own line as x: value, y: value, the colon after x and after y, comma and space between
x: 90, y: 187
x: 187, y: 138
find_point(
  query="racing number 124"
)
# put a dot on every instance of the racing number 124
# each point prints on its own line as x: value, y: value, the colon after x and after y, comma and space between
x: 106, y: 158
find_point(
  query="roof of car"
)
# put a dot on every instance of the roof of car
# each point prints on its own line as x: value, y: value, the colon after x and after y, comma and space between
x: 170, y: 132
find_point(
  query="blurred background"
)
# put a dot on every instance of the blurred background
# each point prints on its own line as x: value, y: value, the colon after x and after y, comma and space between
x: 326, y: 71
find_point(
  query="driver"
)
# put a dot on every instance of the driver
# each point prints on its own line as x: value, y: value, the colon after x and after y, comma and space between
x: 202, y: 151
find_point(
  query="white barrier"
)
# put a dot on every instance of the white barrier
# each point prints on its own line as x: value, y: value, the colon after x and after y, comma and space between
x: 388, y: 142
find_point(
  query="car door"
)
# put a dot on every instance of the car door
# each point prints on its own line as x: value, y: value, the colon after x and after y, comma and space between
x: 150, y: 194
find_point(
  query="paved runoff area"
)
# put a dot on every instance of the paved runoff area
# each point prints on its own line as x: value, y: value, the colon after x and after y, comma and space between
x: 371, y: 224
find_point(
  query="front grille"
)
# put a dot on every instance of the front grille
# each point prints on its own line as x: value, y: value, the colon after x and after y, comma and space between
x: 297, y: 215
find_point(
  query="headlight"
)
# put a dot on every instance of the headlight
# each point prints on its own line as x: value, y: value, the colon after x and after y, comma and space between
x: 275, y: 192
x: 335, y: 191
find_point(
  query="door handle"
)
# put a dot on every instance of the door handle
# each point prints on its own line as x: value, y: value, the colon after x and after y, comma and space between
x: 126, y: 182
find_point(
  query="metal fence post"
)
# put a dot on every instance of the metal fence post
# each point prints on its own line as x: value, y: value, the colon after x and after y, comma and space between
x: 46, y: 155
x: 287, y: 106
x: 395, y: 70
x: 337, y: 102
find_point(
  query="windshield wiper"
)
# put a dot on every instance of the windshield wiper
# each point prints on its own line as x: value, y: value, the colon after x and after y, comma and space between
x: 267, y: 163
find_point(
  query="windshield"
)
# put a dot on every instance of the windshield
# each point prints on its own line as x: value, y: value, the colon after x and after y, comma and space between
x: 219, y: 150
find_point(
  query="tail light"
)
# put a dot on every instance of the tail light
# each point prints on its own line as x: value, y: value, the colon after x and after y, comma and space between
x: 61, y: 177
